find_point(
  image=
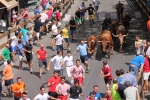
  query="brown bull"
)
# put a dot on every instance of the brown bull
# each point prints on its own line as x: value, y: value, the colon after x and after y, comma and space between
x: 92, y: 43
x: 119, y: 8
x: 106, y: 42
x: 121, y: 34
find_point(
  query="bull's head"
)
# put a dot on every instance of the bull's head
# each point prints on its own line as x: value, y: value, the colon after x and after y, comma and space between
x: 104, y: 45
x: 90, y: 43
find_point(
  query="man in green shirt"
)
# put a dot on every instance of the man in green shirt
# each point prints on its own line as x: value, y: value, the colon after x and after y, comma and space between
x: 6, y: 54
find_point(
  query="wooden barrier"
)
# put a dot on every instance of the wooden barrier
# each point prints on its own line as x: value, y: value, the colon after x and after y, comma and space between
x: 67, y: 3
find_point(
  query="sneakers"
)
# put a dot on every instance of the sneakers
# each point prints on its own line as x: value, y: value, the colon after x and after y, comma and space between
x: 87, y: 69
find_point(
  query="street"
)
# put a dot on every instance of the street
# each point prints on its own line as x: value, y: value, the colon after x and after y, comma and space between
x: 117, y: 60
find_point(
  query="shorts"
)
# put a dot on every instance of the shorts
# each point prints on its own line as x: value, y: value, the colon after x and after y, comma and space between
x: 62, y: 97
x: 9, y: 82
x: 29, y: 58
x: 44, y: 7
x: 67, y: 40
x: 72, y: 31
x: 91, y: 16
x: 59, y: 47
x: 96, y: 8
x: 135, y: 68
x: 107, y: 81
x: 20, y: 57
x: 60, y: 72
x: 83, y: 58
x: 53, y: 36
x: 78, y: 20
x: 38, y: 34
x: 17, y: 98
x: 82, y: 13
x: 146, y: 75
x: 80, y: 79
x: 53, y: 94
x: 13, y: 48
x: 42, y: 62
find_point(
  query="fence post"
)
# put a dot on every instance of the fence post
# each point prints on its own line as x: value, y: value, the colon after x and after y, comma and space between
x: 9, y: 32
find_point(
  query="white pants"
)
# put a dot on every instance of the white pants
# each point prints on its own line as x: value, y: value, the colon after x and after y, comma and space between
x: 5, y: 63
x: 146, y: 75
x: 68, y: 71
x: 73, y: 99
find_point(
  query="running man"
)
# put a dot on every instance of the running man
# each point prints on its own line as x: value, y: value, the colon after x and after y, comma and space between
x: 96, y: 4
x: 18, y: 89
x: 72, y: 24
x: 62, y: 89
x: 82, y: 48
x: 78, y: 17
x: 83, y: 11
x: 68, y: 61
x: 66, y: 36
x: 91, y: 14
x: 57, y: 63
x: 8, y: 76
x: 42, y: 55
x: 59, y: 41
x: 78, y: 72
x: 28, y: 53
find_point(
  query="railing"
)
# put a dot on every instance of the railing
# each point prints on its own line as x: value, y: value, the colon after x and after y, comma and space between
x: 64, y: 7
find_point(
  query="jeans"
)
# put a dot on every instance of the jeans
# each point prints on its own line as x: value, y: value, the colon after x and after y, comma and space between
x: 135, y: 68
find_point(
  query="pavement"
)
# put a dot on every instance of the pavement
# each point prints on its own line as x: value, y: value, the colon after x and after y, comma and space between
x: 116, y: 61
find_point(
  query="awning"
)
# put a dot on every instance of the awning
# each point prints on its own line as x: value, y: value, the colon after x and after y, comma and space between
x: 9, y: 3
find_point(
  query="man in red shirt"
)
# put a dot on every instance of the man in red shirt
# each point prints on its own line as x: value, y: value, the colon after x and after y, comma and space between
x: 146, y: 73
x: 52, y: 83
x: 42, y: 55
x: 25, y: 14
x: 106, y: 74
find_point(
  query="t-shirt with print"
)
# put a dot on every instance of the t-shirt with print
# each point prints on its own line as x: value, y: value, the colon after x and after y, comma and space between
x: 57, y: 62
x: 65, y: 33
x: 14, y: 41
x: 90, y: 10
x: 59, y: 39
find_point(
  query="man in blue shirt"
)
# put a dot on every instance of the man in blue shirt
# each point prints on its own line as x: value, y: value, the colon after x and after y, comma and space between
x: 36, y: 10
x: 97, y: 94
x: 20, y: 52
x: 137, y: 63
x: 82, y: 48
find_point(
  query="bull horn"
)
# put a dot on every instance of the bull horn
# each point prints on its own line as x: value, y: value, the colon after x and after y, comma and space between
x: 100, y: 41
x: 92, y: 40
x: 97, y: 36
x: 107, y: 41
x: 114, y: 35
x: 125, y: 35
x: 85, y: 41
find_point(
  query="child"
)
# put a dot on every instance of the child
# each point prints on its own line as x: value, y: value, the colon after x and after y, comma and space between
x: 106, y: 74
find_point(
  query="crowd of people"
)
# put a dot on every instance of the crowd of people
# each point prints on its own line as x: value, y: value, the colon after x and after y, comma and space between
x: 123, y: 87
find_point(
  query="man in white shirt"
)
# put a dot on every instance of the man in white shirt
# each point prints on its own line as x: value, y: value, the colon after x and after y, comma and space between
x: 68, y: 61
x: 13, y: 45
x: 83, y: 11
x: 42, y: 95
x: 96, y: 4
x: 54, y: 34
x: 57, y: 63
x: 59, y: 42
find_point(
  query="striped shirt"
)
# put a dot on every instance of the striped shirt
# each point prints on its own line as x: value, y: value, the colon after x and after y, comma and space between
x: 129, y: 77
